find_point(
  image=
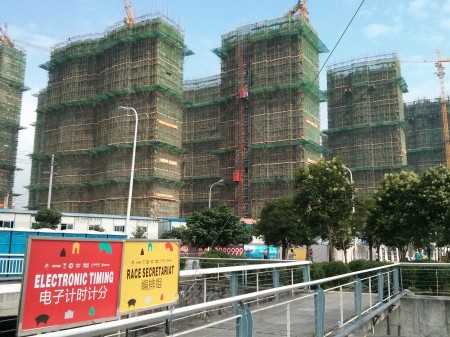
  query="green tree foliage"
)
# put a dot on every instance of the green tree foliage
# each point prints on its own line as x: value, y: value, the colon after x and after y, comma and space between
x: 366, y: 226
x: 324, y: 199
x: 179, y: 233
x: 212, y: 227
x: 432, y: 211
x: 410, y: 209
x: 216, y: 255
x: 139, y: 232
x: 393, y: 215
x: 279, y: 225
x: 98, y: 228
x: 344, y: 237
x: 47, y: 218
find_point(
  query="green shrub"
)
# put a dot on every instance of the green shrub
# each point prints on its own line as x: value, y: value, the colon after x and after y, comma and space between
x: 358, y: 265
x: 183, y: 263
x: 334, y: 268
x: 316, y: 271
x: 426, y: 279
x: 215, y: 254
x: 328, y: 269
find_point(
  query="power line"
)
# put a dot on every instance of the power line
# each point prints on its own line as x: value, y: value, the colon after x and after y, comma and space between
x: 340, y: 38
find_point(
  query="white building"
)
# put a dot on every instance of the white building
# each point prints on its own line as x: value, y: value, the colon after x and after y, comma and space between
x: 11, y: 218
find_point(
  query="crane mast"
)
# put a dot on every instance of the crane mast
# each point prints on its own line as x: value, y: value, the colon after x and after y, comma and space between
x: 299, y: 7
x: 4, y: 38
x: 440, y: 72
x: 129, y: 20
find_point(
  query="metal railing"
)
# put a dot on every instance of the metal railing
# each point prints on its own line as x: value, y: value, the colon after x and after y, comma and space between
x: 277, y: 298
x: 290, y: 310
x: 11, y: 265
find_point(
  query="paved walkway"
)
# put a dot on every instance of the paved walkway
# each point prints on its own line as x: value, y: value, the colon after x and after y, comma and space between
x: 287, y: 317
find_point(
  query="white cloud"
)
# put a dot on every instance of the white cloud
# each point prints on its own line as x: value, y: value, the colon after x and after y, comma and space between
x: 419, y: 8
x: 445, y: 7
x: 27, y: 38
x: 444, y: 23
x: 374, y: 30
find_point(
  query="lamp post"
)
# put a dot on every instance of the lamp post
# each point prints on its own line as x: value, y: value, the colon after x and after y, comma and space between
x: 210, y: 188
x: 130, y: 192
x: 351, y: 181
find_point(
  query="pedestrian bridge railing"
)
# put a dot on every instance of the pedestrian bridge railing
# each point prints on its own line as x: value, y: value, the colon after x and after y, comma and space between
x: 277, y: 298
x: 11, y: 265
x: 305, y: 308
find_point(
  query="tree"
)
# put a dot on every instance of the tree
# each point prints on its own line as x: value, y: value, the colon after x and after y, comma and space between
x: 179, y: 233
x: 324, y: 198
x: 216, y: 227
x: 368, y: 229
x: 344, y: 236
x: 432, y: 211
x: 47, y: 218
x: 279, y: 225
x: 140, y: 232
x: 394, y: 213
x: 98, y: 228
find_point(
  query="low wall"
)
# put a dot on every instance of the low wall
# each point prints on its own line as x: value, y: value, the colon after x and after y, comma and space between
x: 418, y: 316
x: 9, y: 299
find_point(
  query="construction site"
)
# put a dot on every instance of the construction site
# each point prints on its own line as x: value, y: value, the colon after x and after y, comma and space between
x: 116, y: 112
x: 424, y: 136
x: 366, y: 120
x: 12, y: 73
x: 84, y: 140
x: 257, y: 122
x: 250, y: 127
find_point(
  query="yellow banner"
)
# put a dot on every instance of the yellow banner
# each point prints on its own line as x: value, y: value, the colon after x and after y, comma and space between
x: 300, y: 254
x: 150, y: 274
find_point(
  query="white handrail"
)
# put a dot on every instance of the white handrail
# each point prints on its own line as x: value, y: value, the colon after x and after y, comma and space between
x: 113, y: 326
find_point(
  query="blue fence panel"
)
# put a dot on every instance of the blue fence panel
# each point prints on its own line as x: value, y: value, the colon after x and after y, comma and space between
x: 19, y: 241
x: 5, y: 242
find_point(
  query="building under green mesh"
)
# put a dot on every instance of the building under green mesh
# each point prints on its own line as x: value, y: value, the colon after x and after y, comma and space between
x: 258, y: 122
x: 366, y: 118
x: 79, y: 121
x: 12, y: 72
x: 424, y: 136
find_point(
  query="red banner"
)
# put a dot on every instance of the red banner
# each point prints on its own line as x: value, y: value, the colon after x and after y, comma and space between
x: 69, y: 282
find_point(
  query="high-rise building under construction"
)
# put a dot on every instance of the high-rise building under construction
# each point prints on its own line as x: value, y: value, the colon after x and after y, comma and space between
x: 257, y: 122
x: 12, y: 73
x: 366, y: 118
x: 251, y: 126
x: 424, y: 136
x: 79, y: 121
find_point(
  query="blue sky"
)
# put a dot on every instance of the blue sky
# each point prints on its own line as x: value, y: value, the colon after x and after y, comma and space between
x: 413, y: 29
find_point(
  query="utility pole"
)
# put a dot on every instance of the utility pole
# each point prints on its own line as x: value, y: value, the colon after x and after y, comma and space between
x: 50, y: 182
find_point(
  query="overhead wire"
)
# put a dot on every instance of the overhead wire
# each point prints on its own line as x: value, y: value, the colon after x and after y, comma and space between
x: 338, y: 41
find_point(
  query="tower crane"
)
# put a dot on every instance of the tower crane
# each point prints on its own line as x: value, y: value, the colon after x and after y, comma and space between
x: 440, y: 72
x: 4, y: 38
x: 33, y: 45
x: 299, y: 7
x: 129, y: 20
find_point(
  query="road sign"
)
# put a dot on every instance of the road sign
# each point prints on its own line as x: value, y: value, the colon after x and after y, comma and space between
x: 150, y: 274
x: 68, y: 283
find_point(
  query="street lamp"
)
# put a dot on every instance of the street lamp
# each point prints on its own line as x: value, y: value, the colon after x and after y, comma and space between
x: 351, y: 181
x: 130, y: 192
x: 210, y: 188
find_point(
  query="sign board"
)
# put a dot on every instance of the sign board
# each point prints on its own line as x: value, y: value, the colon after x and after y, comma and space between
x: 90, y: 221
x: 150, y: 274
x: 69, y: 282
